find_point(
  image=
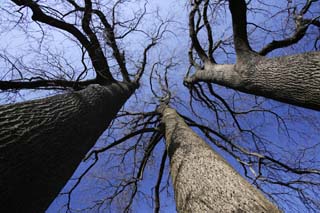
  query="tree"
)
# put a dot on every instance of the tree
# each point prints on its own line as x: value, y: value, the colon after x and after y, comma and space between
x: 251, y: 72
x: 43, y: 141
x: 291, y: 79
x: 202, y: 180
x: 126, y: 169
x: 263, y: 163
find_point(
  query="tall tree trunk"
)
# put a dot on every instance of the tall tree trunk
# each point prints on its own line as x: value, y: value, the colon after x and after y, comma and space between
x: 202, y: 180
x: 43, y: 141
x: 291, y: 79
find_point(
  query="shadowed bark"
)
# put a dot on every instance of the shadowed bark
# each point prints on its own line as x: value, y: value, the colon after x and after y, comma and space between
x: 291, y: 79
x: 43, y: 141
x: 238, y: 10
x: 202, y: 180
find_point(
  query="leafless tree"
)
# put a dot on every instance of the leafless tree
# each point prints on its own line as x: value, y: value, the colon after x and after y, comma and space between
x: 264, y: 162
x: 253, y: 73
x: 43, y: 141
x: 292, y: 79
x: 202, y: 180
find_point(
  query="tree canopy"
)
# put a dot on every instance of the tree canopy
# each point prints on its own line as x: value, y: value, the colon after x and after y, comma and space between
x: 244, y: 75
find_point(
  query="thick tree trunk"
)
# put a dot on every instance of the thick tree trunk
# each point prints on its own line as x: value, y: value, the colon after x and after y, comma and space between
x: 202, y: 180
x: 291, y: 79
x: 43, y: 141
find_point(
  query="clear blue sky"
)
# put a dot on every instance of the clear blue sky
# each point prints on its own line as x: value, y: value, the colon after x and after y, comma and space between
x: 303, y: 124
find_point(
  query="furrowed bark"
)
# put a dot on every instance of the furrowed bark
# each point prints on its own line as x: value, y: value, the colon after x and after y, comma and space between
x: 202, y: 180
x: 293, y: 79
x: 43, y: 141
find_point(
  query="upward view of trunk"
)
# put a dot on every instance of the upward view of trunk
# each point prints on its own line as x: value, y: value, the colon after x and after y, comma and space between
x: 291, y: 79
x: 43, y: 141
x: 202, y: 180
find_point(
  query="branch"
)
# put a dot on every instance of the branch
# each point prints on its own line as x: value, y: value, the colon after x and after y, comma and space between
x: 98, y: 60
x: 302, y: 26
x: 111, y: 40
x: 78, y: 182
x: 95, y: 47
x: 306, y: 7
x: 121, y: 140
x: 238, y: 9
x: 209, y: 31
x: 299, y: 33
x: 193, y: 33
x: 144, y: 61
x: 47, y: 84
x: 157, y: 187
x: 154, y: 40
x: 153, y: 142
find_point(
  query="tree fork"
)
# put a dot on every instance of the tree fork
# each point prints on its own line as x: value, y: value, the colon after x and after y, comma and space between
x: 43, y: 141
x: 202, y: 180
x: 293, y: 79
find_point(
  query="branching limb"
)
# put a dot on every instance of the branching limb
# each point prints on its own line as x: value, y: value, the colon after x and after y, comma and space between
x: 193, y: 32
x: 302, y: 25
x: 162, y: 29
x: 158, y: 183
x: 44, y: 84
x: 98, y: 60
x: 209, y: 31
x: 299, y: 33
x: 153, y: 142
x: 69, y: 193
x: 121, y: 140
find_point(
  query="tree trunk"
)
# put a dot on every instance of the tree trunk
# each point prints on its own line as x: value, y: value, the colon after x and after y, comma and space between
x: 291, y: 79
x: 43, y: 141
x: 202, y: 180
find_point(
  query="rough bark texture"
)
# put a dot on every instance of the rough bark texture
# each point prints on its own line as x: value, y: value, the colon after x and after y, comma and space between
x: 202, y: 180
x: 43, y: 141
x: 291, y: 79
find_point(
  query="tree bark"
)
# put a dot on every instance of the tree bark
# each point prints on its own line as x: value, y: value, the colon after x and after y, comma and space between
x: 43, y: 141
x: 202, y: 180
x: 293, y: 79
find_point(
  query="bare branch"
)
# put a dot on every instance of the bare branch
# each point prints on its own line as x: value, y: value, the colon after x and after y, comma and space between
x: 158, y: 183
x: 300, y: 31
x: 97, y: 57
x: 238, y: 9
x: 44, y: 84
x: 193, y: 32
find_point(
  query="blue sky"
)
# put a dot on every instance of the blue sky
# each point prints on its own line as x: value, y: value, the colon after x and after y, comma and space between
x: 303, y: 124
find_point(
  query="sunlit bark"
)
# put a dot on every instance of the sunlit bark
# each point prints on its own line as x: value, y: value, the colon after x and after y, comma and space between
x: 291, y: 79
x: 202, y: 180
